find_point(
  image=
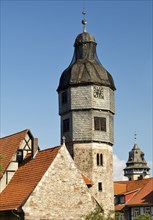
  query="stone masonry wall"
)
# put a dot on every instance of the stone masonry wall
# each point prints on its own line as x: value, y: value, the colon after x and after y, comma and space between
x: 85, y: 157
x: 61, y: 194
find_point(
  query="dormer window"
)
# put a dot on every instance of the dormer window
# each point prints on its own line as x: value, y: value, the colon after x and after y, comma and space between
x: 122, y: 199
x: 19, y: 156
x: 116, y: 200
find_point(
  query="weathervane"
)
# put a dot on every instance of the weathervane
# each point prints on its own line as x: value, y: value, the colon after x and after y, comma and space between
x: 84, y: 22
x: 135, y: 137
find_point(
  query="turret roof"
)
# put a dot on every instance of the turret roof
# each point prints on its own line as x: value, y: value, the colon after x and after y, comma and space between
x: 136, y: 159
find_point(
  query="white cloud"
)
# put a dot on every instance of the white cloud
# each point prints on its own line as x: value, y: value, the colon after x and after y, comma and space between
x: 118, y: 166
x: 1, y: 135
x: 150, y: 165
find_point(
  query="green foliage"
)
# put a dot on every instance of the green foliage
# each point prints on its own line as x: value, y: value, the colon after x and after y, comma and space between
x: 98, y: 214
x: 143, y: 217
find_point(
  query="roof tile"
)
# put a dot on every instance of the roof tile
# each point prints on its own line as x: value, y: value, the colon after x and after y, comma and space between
x: 26, y: 178
x: 144, y: 194
x: 86, y: 180
x: 8, y: 147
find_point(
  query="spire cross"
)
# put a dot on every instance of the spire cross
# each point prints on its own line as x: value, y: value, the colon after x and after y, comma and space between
x: 84, y: 22
x: 84, y: 13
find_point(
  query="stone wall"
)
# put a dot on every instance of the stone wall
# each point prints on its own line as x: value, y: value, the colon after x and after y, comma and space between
x: 85, y: 157
x: 61, y: 194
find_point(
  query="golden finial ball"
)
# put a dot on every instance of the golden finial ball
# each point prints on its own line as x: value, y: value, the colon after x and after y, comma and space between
x: 84, y: 22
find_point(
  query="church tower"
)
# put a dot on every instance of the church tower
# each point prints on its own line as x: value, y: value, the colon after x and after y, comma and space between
x: 86, y: 108
x: 136, y: 166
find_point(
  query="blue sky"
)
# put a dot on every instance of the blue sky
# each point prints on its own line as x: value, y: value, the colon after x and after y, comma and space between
x: 37, y: 40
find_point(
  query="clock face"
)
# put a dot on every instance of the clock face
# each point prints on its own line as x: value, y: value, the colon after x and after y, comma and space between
x: 98, y: 92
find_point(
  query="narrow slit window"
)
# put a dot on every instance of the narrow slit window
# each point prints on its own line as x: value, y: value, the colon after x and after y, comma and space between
x: 101, y: 159
x: 64, y: 97
x: 97, y: 159
x: 66, y: 125
x: 100, y: 189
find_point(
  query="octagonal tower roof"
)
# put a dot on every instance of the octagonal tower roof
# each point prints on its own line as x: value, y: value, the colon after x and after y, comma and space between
x: 136, y: 158
x: 136, y: 161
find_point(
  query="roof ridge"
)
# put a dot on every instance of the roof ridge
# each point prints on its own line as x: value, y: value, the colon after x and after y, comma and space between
x: 50, y: 148
x: 15, y: 133
x: 136, y: 193
x: 140, y: 189
x: 149, y: 180
x: 126, y: 181
x: 134, y: 190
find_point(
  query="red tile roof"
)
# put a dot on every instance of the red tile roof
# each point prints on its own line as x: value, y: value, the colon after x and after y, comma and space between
x: 121, y: 187
x: 142, y: 192
x: 28, y: 174
x: 119, y: 207
x: 144, y: 196
x: 86, y: 179
x: 8, y: 147
x: 26, y: 178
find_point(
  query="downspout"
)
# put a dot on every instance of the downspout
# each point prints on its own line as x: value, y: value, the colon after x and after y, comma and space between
x: 18, y: 216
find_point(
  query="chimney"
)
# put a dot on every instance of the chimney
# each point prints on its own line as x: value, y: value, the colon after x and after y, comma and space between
x: 35, y: 147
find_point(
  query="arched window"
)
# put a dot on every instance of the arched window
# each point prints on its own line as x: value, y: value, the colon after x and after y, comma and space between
x: 99, y: 159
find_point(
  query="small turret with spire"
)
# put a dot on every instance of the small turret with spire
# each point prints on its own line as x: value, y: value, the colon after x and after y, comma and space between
x: 136, y: 166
